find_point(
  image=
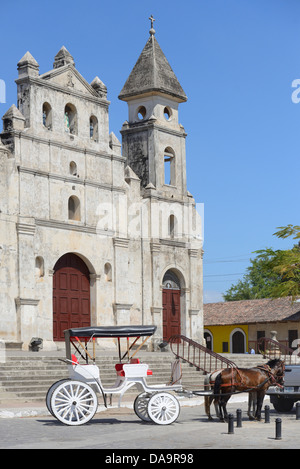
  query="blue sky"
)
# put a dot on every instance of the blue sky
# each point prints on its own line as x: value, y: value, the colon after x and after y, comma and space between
x: 236, y: 61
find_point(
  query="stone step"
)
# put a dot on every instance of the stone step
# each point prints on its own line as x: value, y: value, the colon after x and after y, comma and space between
x: 25, y: 378
x: 18, y: 385
x: 29, y: 377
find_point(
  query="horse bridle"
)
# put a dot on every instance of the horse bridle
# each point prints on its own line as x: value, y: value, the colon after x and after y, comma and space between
x: 272, y: 377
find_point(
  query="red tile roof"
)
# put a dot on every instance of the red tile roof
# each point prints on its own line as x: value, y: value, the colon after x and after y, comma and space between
x: 251, y: 311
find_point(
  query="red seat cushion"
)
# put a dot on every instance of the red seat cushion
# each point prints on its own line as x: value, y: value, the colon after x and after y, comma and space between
x: 74, y: 359
x: 119, y: 369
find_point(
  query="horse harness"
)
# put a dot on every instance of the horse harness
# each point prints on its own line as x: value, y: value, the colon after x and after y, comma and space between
x: 266, y: 368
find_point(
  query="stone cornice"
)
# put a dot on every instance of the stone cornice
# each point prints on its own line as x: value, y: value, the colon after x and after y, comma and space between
x: 194, y: 312
x: 64, y: 145
x: 63, y: 89
x: 193, y: 252
x: 173, y: 243
x: 26, y: 301
x: 60, y: 225
x: 121, y: 307
x: 155, y: 246
x: 70, y: 179
x: 151, y: 125
x: 25, y: 229
x: 121, y: 242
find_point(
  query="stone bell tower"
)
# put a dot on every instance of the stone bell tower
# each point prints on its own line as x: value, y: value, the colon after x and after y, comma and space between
x: 153, y: 139
x: 153, y: 142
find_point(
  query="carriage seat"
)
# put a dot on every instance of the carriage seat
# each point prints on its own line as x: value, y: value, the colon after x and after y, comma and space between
x: 74, y: 360
x: 133, y: 369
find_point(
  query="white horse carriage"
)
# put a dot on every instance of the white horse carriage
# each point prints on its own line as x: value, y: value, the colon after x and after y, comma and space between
x: 74, y: 400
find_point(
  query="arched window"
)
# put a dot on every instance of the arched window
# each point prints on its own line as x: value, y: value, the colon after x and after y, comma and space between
x: 47, y: 116
x: 171, y: 281
x: 169, y: 167
x: 70, y: 119
x: 39, y: 267
x: 141, y: 112
x: 108, y: 272
x: 167, y: 113
x: 74, y: 208
x: 172, y: 226
x: 73, y: 168
x: 94, y: 128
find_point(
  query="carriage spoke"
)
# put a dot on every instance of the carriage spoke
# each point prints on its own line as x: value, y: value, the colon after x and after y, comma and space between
x: 163, y: 408
x: 74, y: 403
x: 140, y: 406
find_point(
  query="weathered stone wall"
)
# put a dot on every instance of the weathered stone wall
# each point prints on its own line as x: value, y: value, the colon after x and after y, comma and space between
x: 122, y: 230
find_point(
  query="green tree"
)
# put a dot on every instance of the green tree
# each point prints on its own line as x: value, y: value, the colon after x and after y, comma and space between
x: 273, y: 273
x: 258, y: 282
x: 285, y: 263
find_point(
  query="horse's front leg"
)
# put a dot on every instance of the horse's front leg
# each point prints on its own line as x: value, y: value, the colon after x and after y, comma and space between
x: 252, y: 401
x: 223, y: 409
x: 217, y: 407
x: 260, y: 400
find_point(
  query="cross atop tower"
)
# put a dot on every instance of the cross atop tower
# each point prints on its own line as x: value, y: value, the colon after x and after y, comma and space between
x: 152, y: 30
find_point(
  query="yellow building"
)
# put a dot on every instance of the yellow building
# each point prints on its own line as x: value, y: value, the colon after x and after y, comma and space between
x: 236, y: 326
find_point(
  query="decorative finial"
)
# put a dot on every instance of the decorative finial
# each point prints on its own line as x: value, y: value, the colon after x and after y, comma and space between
x: 152, y: 30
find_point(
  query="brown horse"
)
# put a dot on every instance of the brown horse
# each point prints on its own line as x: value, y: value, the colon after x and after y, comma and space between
x: 251, y: 380
x: 209, y: 382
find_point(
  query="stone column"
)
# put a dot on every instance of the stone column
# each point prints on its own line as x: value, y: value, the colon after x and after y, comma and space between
x: 26, y: 303
x: 195, y: 306
x: 121, y: 304
x: 94, y: 279
x: 156, y: 309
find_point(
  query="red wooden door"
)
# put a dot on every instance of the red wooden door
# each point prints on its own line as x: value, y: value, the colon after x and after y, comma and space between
x: 171, y: 313
x: 71, y: 295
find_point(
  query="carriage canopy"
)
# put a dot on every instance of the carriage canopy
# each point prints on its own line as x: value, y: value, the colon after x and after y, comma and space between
x: 88, y: 334
x: 110, y: 331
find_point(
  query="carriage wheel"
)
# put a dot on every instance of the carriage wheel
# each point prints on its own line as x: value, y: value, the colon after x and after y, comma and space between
x: 74, y: 402
x: 140, y: 406
x: 163, y: 408
x: 50, y: 391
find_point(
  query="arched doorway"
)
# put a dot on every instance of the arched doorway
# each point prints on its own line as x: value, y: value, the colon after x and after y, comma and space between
x: 71, y: 295
x: 238, y: 341
x: 208, y: 337
x: 171, y: 305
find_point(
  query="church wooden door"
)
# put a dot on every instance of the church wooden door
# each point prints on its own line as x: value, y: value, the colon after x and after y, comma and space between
x: 71, y: 295
x: 171, y: 313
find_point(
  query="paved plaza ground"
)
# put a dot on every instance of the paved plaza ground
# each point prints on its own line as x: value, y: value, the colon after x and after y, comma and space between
x: 120, y: 429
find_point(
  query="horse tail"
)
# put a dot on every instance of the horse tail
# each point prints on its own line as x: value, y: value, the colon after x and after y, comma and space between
x: 206, y: 381
x: 217, y: 386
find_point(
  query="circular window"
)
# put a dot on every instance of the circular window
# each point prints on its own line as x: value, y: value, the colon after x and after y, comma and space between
x: 167, y: 113
x: 141, y: 112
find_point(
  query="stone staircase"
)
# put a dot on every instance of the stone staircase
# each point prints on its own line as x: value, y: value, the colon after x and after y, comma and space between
x: 27, y: 377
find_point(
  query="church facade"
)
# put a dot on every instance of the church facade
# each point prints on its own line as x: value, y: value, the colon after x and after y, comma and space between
x: 94, y: 231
